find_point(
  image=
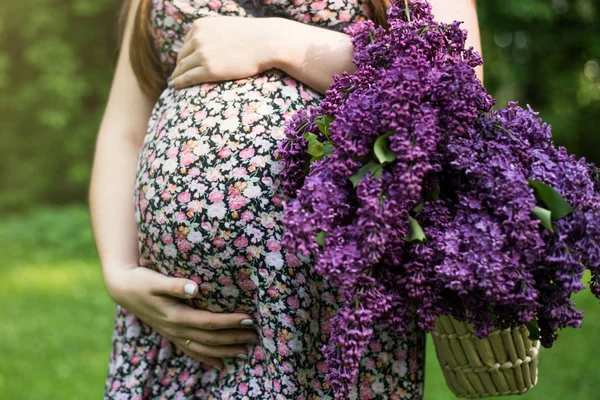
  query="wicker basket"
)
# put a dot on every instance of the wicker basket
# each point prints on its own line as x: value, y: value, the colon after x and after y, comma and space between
x: 504, y: 363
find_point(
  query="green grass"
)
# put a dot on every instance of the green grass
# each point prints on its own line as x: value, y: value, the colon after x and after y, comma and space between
x: 56, y: 320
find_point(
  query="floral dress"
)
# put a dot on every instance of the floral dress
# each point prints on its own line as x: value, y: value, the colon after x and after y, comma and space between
x: 209, y: 208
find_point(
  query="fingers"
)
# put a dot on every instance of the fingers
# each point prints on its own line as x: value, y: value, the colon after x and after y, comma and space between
x: 175, y: 287
x: 188, y: 48
x: 215, y: 362
x: 197, y: 74
x: 206, y: 320
x: 218, y: 351
x: 220, y: 338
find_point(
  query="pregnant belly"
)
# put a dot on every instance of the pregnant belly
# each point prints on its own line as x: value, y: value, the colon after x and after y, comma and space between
x: 207, y: 199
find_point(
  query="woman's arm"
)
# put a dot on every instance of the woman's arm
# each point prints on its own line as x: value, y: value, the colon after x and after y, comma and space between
x: 306, y: 52
x: 147, y: 294
x: 313, y: 54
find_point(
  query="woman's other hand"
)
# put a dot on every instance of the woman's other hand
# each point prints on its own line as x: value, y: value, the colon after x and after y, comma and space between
x: 154, y: 298
x: 219, y: 48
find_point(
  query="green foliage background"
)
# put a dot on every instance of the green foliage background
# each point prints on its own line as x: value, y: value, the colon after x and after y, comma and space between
x: 57, y: 57
x: 56, y: 64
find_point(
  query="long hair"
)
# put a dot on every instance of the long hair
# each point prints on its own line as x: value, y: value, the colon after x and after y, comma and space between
x: 144, y: 56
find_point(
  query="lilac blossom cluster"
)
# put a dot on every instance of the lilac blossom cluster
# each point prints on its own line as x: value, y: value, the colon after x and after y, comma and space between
x: 417, y: 199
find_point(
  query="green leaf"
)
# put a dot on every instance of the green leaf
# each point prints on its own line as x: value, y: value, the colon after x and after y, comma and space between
x: 415, y: 232
x: 382, y: 149
x: 320, y: 237
x: 435, y: 193
x: 316, y: 148
x: 310, y: 136
x: 552, y: 199
x: 419, y: 207
x: 534, y: 330
x: 323, y: 124
x: 373, y: 167
x: 328, y: 148
x: 545, y: 216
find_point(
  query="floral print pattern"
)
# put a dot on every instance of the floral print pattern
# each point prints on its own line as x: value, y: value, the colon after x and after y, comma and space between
x: 208, y: 207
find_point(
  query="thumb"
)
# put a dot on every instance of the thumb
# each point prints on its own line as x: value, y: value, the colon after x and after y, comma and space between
x: 175, y: 287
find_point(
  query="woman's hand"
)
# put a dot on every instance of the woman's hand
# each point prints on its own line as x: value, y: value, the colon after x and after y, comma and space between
x: 152, y: 297
x: 219, y: 48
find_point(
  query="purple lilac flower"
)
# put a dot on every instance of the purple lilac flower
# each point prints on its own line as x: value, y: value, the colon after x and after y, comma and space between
x: 458, y: 168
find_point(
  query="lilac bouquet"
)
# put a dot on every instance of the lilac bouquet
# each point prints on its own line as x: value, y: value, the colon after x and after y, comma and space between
x: 418, y: 200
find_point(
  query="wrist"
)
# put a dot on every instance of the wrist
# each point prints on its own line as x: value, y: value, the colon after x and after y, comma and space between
x: 114, y: 280
x: 277, y: 47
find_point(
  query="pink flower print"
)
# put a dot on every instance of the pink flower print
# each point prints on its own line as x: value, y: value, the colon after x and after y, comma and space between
x: 193, y: 172
x: 214, y: 4
x: 247, y: 153
x: 188, y: 158
x: 231, y: 112
x: 318, y: 5
x: 287, y: 320
x: 213, y: 175
x: 116, y: 385
x: 247, y: 285
x: 282, y: 348
x: 172, y: 152
x: 370, y: 363
x: 167, y: 238
x: 287, y: 367
x: 344, y: 16
x: 200, y: 115
x: 258, y: 129
x: 258, y: 161
x: 184, y: 197
x: 237, y: 202
x: 184, y: 246
x: 149, y: 217
x: 268, y: 333
x: 258, y: 370
x: 376, y: 346
x: 216, y: 196
x: 240, y: 172
x: 218, y: 242
x: 366, y: 393
x: 277, y: 385
x: 292, y: 260
x: 225, y: 280
x: 166, y: 380
x: 259, y: 353
x: 273, y: 245
x: 300, y: 279
x: 247, y: 216
x: 293, y: 302
x: 224, y: 152
x: 272, y: 292
x: 135, y: 360
x: 250, y: 118
x: 180, y: 217
x: 239, y: 260
x: 183, y: 376
x: 165, y: 195
x: 394, y: 396
x: 400, y: 354
x: 243, y: 388
x: 151, y: 356
x: 322, y: 367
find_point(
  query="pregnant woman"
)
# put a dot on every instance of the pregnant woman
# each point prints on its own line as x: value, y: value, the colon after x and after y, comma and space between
x: 187, y: 211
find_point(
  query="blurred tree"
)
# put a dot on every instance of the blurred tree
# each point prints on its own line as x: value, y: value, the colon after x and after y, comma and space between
x: 57, y: 59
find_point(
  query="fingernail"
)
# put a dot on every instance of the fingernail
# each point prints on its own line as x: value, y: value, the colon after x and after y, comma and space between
x: 171, y: 83
x: 247, y: 322
x: 252, y: 341
x: 242, y: 356
x: 189, y: 289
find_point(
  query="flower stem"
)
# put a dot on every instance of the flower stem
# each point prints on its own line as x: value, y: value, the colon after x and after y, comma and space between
x: 407, y: 10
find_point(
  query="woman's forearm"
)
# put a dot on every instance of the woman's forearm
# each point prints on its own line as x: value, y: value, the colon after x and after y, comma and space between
x: 313, y: 54
x: 111, y: 202
x: 111, y: 190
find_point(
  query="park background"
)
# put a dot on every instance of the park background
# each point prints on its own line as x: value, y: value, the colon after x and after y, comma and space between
x: 56, y: 64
